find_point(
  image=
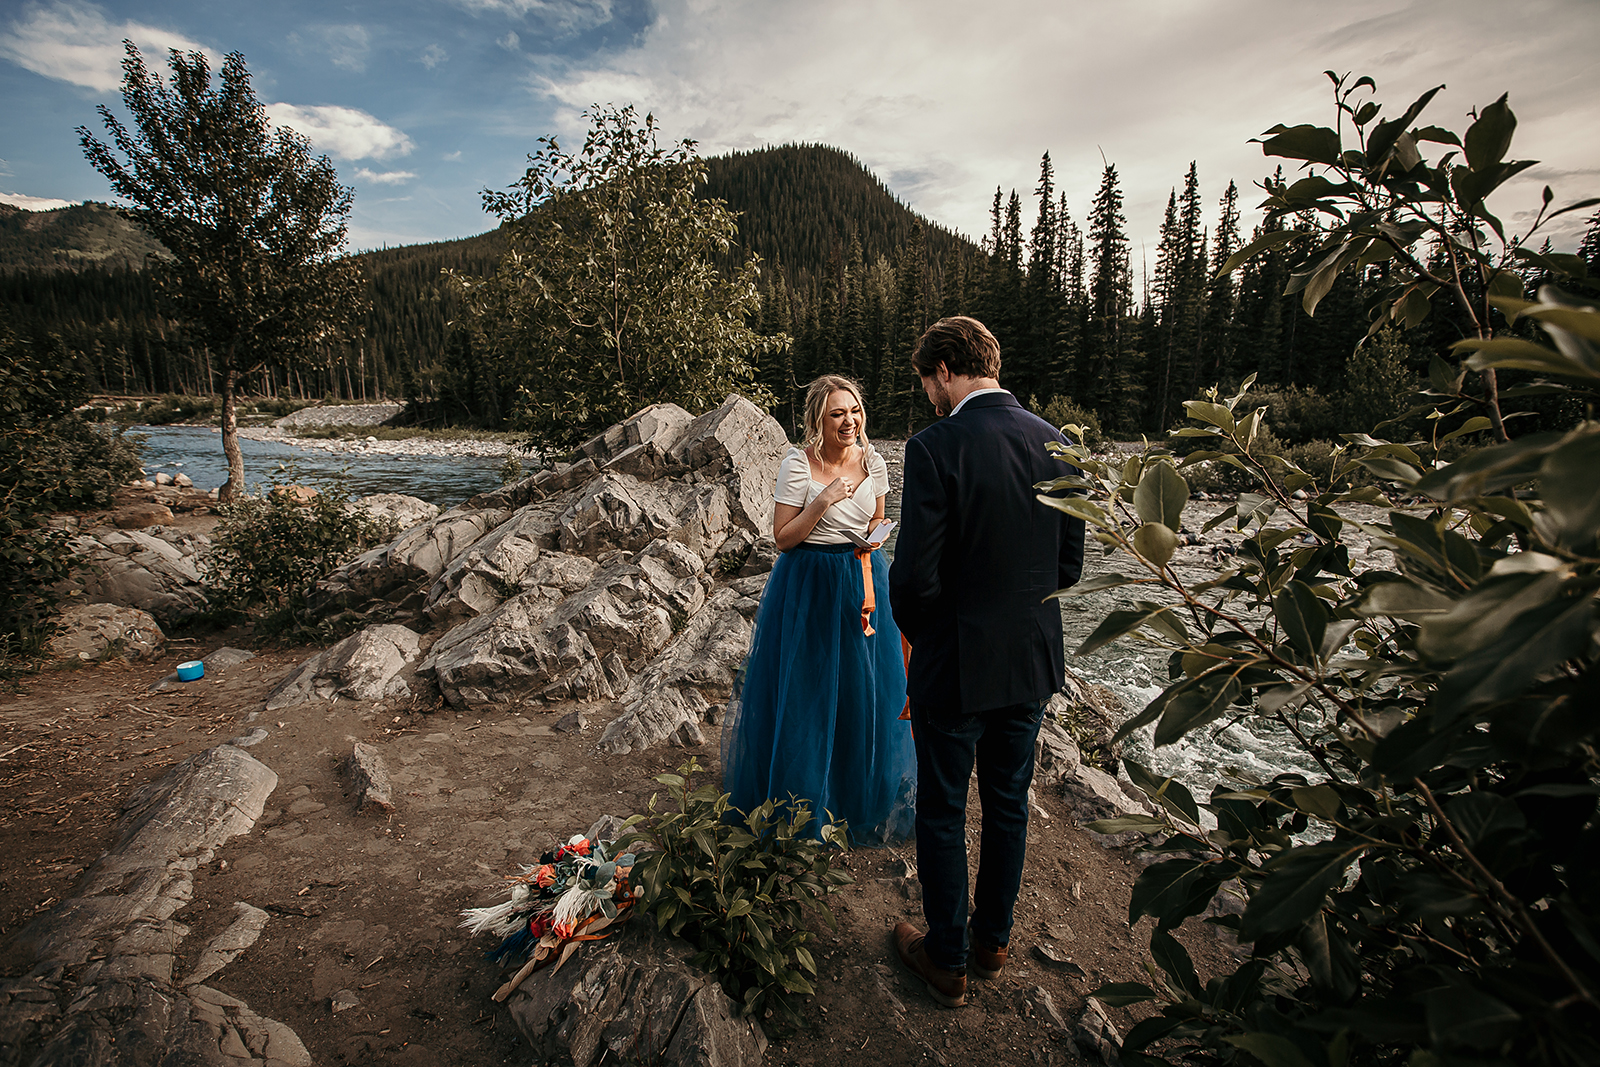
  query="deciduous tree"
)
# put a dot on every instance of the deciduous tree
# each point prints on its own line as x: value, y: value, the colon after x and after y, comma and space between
x: 255, y: 224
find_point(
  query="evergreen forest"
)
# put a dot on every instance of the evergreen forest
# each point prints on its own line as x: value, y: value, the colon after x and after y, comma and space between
x: 853, y: 276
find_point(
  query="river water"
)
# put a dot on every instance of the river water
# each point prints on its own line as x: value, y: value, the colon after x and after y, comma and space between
x: 1135, y: 672
x: 197, y: 452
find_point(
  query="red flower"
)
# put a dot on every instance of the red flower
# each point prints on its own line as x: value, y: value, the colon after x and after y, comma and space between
x: 582, y: 846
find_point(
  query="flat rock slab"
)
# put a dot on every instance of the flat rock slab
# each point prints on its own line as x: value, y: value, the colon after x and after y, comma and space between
x: 364, y: 666
x: 634, y: 999
x: 101, y: 989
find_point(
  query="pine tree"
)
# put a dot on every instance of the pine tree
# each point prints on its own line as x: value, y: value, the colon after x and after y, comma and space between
x: 1217, y: 361
x: 1109, y: 340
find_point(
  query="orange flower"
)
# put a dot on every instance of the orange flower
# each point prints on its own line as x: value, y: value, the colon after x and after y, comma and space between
x: 581, y: 846
x: 545, y: 877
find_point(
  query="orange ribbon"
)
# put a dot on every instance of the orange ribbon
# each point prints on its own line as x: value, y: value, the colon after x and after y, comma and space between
x: 869, y: 603
x: 905, y: 647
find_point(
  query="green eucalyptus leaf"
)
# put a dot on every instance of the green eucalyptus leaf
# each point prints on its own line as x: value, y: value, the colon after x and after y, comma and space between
x: 1489, y: 138
x: 1296, y: 885
x: 1302, y: 618
x: 1161, y: 495
x: 1121, y: 994
x: 1273, y: 1050
x: 1168, y: 792
x: 1569, y: 481
x: 1143, y: 824
x: 1205, y: 701
x: 1316, y: 144
x: 1320, y: 800
x: 1155, y: 542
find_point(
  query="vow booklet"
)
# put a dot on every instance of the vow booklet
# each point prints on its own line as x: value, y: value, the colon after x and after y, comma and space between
x: 879, y: 535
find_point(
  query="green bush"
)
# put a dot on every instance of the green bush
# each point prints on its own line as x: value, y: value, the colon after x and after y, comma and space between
x: 269, y: 551
x: 1078, y: 423
x: 738, y: 892
x: 1298, y: 414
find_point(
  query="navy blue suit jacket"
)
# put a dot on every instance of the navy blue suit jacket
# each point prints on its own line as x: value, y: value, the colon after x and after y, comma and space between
x: 976, y: 556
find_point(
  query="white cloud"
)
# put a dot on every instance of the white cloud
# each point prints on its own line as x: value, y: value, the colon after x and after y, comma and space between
x: 34, y: 203
x: 388, y: 177
x: 452, y: 157
x: 510, y: 41
x: 345, y: 45
x: 944, y: 101
x: 344, y: 132
x: 77, y: 43
x: 571, y: 16
x: 433, y: 55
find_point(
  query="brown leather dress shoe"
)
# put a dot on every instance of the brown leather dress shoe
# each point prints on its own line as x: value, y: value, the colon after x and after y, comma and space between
x: 946, y: 987
x: 987, y: 963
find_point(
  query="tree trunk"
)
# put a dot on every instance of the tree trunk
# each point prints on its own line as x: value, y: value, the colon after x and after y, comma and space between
x: 233, y: 488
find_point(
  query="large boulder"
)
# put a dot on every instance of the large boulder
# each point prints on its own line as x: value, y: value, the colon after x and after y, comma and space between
x: 493, y: 568
x: 90, y: 631
x: 619, y: 511
x: 369, y: 665
x: 154, y: 571
x: 635, y: 999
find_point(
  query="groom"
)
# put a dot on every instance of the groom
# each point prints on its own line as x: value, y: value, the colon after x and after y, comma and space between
x: 977, y: 556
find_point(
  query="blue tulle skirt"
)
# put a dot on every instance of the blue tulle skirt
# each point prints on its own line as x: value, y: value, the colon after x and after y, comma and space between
x: 815, y: 710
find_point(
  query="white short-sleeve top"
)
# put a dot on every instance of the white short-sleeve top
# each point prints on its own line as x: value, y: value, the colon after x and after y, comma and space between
x: 797, y: 488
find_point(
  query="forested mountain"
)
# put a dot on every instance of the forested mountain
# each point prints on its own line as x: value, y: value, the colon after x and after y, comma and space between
x: 71, y: 238
x: 852, y: 275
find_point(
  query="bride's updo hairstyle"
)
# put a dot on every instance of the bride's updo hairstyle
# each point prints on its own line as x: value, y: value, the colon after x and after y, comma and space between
x: 817, y: 394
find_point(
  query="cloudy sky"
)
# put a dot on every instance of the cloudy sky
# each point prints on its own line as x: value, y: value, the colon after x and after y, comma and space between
x: 423, y: 103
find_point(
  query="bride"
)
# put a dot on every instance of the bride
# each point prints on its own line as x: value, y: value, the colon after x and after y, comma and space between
x: 816, y: 710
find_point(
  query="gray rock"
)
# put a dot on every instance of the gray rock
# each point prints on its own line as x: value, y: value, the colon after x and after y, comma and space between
x: 620, y: 511
x: 136, y: 569
x: 254, y: 737
x: 1090, y: 792
x: 417, y: 556
x: 763, y: 554
x: 369, y: 780
x: 1095, y: 1036
x: 343, y: 1000
x: 1060, y: 961
x: 402, y: 510
x: 90, y: 631
x: 745, y: 444
x: 183, y: 481
x: 480, y: 578
x: 634, y: 999
x: 163, y: 478
x: 365, y: 666
x: 573, y: 722
x: 675, y: 691
x: 226, y: 946
x: 225, y: 657
x: 107, y: 953
x: 1038, y: 1003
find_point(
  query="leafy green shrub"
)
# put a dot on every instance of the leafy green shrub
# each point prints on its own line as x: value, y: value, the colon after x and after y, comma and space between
x: 269, y: 551
x: 1430, y: 897
x: 1079, y: 423
x: 50, y: 459
x: 738, y: 891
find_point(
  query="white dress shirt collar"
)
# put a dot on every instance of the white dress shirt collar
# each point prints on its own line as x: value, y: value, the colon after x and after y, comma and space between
x: 976, y: 392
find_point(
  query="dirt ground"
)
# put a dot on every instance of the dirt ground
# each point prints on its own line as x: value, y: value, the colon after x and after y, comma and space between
x: 372, y: 905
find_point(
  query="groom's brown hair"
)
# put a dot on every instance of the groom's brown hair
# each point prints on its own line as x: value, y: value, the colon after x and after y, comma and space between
x: 963, y: 344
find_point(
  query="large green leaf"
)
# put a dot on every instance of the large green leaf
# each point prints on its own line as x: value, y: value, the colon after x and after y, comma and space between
x: 1156, y: 542
x: 1302, y: 617
x: 1174, y: 959
x: 1121, y: 994
x: 1569, y: 482
x: 1462, y: 1015
x: 1168, y: 792
x: 1513, y: 353
x: 1171, y: 891
x: 1266, y: 242
x: 1317, y: 144
x: 1161, y: 495
x: 1485, y: 614
x: 1384, y: 134
x: 1402, y: 599
x: 1205, y: 701
x: 1489, y: 139
x: 1125, y: 621
x: 1296, y: 885
x: 1536, y: 646
x: 1490, y: 470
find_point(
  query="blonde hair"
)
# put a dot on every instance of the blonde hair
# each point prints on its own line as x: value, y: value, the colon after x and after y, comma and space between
x: 817, y: 394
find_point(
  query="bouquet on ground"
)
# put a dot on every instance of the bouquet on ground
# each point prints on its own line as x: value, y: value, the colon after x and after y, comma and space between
x: 570, y: 896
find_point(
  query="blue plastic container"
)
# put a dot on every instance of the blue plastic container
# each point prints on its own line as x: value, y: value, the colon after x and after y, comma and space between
x: 192, y: 671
